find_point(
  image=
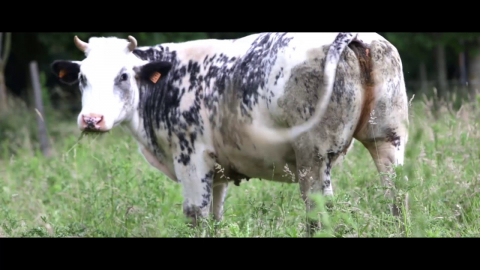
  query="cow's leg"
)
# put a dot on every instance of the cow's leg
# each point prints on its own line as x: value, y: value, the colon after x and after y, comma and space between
x: 196, y: 172
x: 317, y: 149
x: 219, y: 194
x: 388, y: 151
x: 308, y: 169
x: 314, y: 176
x: 383, y: 126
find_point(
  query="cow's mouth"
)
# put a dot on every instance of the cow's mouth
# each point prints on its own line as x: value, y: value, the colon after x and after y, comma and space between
x: 94, y: 131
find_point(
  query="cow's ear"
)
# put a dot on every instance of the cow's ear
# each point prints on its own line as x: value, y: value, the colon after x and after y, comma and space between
x: 66, y: 71
x: 154, y: 71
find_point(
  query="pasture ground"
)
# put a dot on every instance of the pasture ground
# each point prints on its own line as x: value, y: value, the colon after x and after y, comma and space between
x: 102, y: 187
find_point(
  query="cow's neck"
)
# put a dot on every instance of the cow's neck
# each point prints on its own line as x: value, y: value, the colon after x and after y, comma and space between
x: 149, y: 123
x: 161, y: 106
x: 135, y: 126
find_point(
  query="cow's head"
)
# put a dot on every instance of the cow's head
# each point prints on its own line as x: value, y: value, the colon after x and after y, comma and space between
x: 109, y: 79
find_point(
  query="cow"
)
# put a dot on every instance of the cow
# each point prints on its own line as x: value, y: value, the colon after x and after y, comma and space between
x: 250, y: 106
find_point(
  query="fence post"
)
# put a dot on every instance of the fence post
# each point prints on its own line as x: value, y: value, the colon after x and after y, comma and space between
x: 42, y: 129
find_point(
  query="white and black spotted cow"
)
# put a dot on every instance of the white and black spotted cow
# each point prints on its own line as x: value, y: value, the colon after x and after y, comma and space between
x: 253, y: 105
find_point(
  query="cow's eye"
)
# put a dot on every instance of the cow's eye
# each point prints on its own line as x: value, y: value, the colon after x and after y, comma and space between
x: 83, y: 80
x: 124, y: 77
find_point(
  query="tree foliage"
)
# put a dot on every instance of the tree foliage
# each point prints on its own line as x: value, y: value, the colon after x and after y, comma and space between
x: 420, y: 45
x: 47, y: 47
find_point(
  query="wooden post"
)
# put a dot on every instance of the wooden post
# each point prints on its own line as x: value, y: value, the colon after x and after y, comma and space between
x: 3, y: 64
x: 42, y: 129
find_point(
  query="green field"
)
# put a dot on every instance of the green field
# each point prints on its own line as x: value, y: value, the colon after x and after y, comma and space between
x: 102, y: 187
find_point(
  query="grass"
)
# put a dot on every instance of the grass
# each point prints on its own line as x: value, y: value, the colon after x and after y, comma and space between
x: 102, y: 187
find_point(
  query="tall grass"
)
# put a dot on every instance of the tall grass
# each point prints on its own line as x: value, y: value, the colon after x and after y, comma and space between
x: 102, y: 187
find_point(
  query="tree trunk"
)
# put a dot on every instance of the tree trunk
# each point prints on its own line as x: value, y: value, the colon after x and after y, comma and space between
x: 423, y: 78
x: 462, y: 64
x: 470, y: 89
x: 463, y: 69
x: 474, y: 73
x: 441, y: 69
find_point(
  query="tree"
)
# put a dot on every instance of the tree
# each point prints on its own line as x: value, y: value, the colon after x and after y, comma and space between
x: 461, y: 44
x: 421, y: 48
x: 441, y: 64
x: 414, y: 48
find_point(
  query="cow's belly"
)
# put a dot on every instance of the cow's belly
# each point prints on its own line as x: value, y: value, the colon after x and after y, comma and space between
x: 274, y: 162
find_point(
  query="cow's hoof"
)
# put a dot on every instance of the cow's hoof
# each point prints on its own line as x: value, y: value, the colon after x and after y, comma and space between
x: 313, y: 226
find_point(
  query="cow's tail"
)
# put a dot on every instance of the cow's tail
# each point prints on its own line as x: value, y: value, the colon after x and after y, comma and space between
x: 275, y: 135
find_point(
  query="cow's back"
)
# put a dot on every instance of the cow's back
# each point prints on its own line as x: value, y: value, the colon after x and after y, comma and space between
x: 269, y: 78
x: 278, y: 87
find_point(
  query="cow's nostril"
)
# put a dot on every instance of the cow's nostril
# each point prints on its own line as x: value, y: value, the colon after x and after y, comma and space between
x: 92, y: 122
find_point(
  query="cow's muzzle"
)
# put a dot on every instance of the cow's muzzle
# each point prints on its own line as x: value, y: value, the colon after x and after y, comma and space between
x: 92, y: 123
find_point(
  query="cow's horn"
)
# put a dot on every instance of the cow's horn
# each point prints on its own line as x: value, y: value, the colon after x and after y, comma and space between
x: 82, y: 46
x: 133, y: 43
